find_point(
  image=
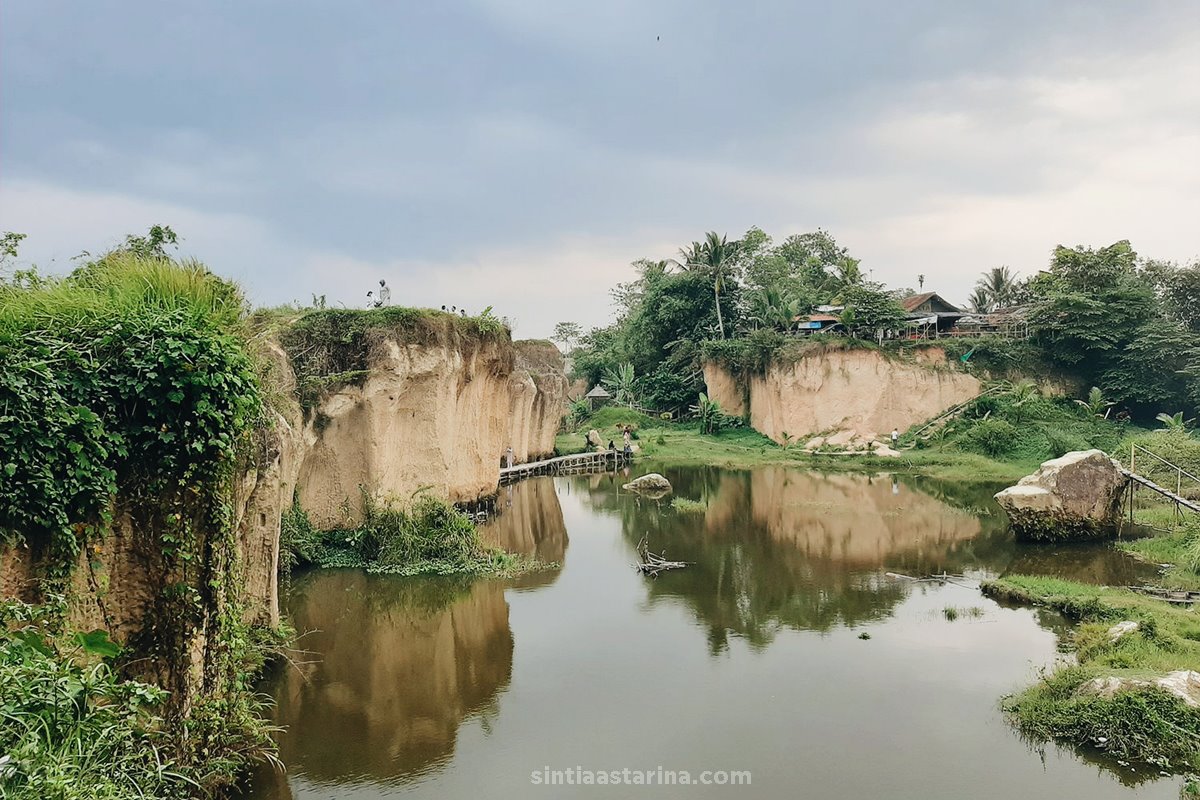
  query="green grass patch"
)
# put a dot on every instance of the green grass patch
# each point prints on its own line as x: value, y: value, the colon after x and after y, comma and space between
x: 430, y: 537
x: 1180, y: 548
x: 687, y: 506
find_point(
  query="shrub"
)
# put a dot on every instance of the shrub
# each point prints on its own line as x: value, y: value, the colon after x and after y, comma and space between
x: 993, y: 437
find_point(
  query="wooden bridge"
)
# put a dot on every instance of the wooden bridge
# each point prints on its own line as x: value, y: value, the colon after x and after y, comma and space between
x: 565, y: 465
x: 1175, y: 497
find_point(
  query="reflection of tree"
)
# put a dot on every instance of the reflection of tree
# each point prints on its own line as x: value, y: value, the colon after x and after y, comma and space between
x: 402, y: 662
x: 529, y: 521
x: 781, y: 548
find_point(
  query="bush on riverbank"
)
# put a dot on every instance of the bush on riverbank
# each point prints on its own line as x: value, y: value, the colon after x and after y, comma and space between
x: 431, y: 537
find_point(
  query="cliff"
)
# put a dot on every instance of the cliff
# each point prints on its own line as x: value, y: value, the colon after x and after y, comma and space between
x: 418, y: 403
x: 434, y: 415
x: 858, y: 391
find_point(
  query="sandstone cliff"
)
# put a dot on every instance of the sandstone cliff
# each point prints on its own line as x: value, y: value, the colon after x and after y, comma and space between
x: 429, y: 416
x: 859, y: 391
x: 434, y: 412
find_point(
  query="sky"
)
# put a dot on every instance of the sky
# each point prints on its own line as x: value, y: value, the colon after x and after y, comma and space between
x: 521, y: 154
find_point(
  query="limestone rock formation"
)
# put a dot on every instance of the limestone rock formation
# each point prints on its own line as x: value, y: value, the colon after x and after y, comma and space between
x: 652, y: 484
x: 594, y: 440
x: 1183, y: 684
x: 1076, y: 496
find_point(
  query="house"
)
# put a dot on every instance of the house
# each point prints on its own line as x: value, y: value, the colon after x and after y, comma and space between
x: 929, y: 313
x: 815, y: 323
x: 597, y: 397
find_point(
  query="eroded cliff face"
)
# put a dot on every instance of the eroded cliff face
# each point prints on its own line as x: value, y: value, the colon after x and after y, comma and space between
x: 860, y: 391
x: 436, y: 418
x: 432, y: 415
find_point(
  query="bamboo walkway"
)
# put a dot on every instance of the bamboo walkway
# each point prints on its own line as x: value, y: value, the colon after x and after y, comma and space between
x: 1167, y: 493
x: 564, y: 465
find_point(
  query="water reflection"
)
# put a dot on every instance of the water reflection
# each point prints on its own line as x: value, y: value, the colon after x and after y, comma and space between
x: 529, y: 521
x: 780, y: 548
x: 597, y: 664
x: 400, y: 663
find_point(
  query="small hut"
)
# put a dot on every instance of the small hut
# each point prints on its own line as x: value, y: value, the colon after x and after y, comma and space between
x: 598, y: 397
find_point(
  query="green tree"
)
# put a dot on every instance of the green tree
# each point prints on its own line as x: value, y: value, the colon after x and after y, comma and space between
x: 870, y: 309
x: 567, y: 334
x: 715, y: 256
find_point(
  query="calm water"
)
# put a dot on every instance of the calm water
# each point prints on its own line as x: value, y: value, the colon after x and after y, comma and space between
x: 749, y: 659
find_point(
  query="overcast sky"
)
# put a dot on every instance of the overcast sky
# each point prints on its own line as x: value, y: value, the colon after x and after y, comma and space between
x: 521, y: 153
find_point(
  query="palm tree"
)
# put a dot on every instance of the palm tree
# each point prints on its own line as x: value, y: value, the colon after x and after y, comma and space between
x: 999, y: 285
x: 980, y: 302
x: 714, y: 255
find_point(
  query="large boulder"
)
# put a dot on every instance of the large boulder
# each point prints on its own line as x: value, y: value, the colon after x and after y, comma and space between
x: 594, y: 440
x: 1183, y: 684
x: 1077, y: 496
x: 653, y: 485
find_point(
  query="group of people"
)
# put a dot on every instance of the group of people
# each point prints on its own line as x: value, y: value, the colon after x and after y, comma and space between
x: 455, y: 310
x: 627, y: 438
x: 381, y: 298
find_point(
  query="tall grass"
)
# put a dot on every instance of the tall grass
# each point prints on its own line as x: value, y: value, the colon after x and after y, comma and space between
x: 429, y: 537
x: 119, y: 287
x: 70, y: 729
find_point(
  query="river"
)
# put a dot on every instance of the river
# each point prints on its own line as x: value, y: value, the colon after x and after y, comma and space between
x: 782, y: 650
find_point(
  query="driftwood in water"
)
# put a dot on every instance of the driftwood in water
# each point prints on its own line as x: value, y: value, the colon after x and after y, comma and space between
x: 942, y: 578
x: 651, y: 563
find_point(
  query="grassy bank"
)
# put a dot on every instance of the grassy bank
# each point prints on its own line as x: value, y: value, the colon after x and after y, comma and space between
x: 685, y: 443
x: 430, y: 537
x: 1140, y: 724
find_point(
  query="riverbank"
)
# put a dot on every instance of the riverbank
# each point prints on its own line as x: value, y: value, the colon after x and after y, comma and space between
x: 685, y: 443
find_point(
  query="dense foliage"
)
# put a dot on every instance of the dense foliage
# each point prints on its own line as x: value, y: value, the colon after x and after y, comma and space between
x: 431, y: 537
x: 70, y: 728
x: 127, y: 394
x: 1098, y: 317
x: 125, y: 377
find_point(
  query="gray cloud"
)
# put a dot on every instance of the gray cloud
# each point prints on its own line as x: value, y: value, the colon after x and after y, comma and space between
x: 520, y: 154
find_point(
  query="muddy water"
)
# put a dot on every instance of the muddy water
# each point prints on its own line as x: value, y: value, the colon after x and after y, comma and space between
x: 748, y: 659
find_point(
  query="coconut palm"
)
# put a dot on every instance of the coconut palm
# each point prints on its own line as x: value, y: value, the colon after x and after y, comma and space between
x: 999, y: 285
x: 980, y: 302
x: 715, y: 256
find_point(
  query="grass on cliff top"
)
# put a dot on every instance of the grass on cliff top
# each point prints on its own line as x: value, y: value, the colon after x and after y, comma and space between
x: 1143, y: 726
x: 683, y: 443
x: 330, y: 347
x: 119, y: 287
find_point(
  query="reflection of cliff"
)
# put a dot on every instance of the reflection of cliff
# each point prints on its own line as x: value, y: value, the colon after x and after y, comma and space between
x: 402, y: 664
x: 855, y: 519
x: 529, y: 521
x: 780, y: 548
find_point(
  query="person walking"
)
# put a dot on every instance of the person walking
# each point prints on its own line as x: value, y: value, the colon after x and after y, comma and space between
x: 895, y: 437
x: 508, y: 457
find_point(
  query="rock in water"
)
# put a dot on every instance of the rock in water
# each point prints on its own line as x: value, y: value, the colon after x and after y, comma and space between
x: 1074, y: 497
x: 653, y: 484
